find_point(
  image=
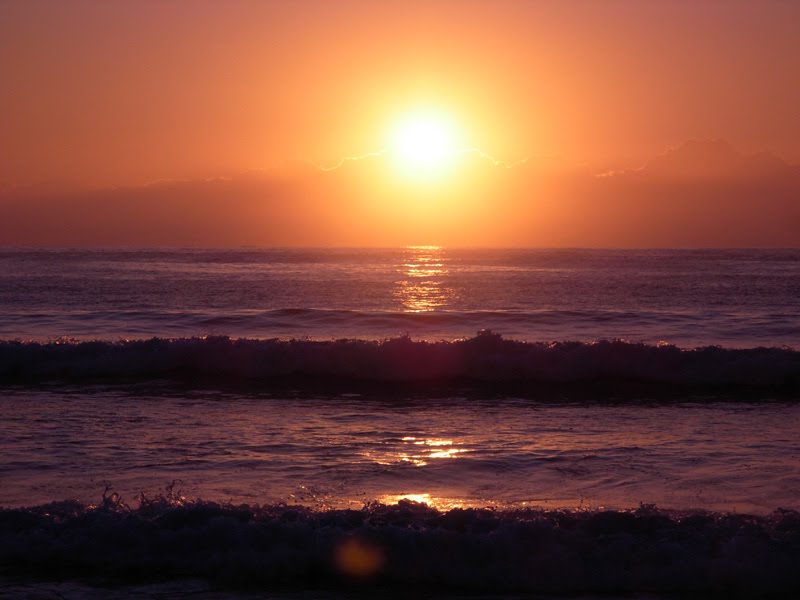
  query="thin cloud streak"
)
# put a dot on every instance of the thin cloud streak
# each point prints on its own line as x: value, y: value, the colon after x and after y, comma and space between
x: 346, y: 159
x: 384, y: 151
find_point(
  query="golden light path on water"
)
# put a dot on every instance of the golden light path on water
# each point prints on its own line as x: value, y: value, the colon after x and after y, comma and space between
x: 418, y: 452
x: 437, y: 502
x: 444, y: 503
x: 422, y: 288
x: 421, y: 452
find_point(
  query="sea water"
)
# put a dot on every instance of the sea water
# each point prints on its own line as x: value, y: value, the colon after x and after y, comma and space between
x: 733, y: 298
x: 549, y: 420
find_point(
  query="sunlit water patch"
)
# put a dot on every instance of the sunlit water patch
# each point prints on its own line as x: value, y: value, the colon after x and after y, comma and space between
x: 347, y: 451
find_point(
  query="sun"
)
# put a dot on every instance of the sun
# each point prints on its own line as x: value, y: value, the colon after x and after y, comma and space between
x: 424, y: 143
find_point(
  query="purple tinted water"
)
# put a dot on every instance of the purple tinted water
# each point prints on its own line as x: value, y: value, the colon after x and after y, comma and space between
x: 70, y: 442
x: 217, y: 427
x: 737, y: 298
x: 342, y: 451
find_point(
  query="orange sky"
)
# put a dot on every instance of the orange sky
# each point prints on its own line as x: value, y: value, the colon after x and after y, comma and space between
x: 121, y: 94
x: 129, y: 92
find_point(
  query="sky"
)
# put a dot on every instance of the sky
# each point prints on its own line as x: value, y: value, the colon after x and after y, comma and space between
x: 535, y: 98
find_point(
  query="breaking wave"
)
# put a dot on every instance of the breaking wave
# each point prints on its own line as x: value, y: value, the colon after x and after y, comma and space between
x: 407, y: 544
x: 486, y: 358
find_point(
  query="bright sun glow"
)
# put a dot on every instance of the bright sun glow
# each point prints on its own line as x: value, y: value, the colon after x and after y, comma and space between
x: 424, y: 143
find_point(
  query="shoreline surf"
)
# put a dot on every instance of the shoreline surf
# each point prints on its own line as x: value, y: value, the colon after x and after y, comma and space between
x: 410, y: 545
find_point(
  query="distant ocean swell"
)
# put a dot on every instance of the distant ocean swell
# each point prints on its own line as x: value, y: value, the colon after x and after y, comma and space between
x: 486, y: 358
x: 409, y: 545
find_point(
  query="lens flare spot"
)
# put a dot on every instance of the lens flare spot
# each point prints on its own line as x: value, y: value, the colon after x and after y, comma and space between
x: 358, y: 558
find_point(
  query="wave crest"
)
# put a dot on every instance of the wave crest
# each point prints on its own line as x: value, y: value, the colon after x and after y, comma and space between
x: 485, y: 358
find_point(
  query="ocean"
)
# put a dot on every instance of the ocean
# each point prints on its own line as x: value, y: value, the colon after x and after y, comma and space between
x: 690, y: 298
x: 227, y: 423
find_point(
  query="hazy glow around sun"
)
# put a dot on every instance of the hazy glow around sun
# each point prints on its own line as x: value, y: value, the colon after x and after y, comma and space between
x: 424, y: 142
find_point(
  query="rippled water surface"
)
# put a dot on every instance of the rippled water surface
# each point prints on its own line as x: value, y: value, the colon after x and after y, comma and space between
x: 346, y: 450
x: 739, y: 298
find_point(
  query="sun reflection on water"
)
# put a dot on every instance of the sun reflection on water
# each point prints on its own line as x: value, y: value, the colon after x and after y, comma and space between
x: 436, y: 502
x: 422, y: 288
x: 442, y: 503
x: 417, y: 451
